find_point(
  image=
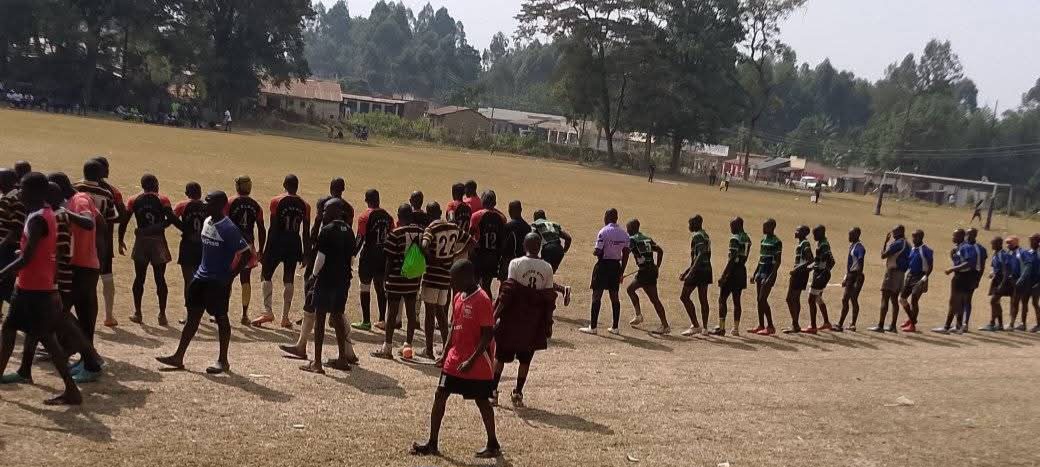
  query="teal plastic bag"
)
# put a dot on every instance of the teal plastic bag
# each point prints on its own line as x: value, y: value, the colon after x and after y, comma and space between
x: 414, y: 262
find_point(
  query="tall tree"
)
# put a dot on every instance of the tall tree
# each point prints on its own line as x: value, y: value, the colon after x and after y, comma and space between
x: 597, y: 34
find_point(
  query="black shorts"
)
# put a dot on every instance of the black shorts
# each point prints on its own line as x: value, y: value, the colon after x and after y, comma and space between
x: 152, y: 250
x: 507, y: 356
x: 371, y: 266
x: 283, y: 251
x: 553, y: 254
x: 763, y: 274
x: 606, y: 275
x: 698, y: 277
x: 647, y: 277
x: 1000, y: 287
x: 34, y: 311
x: 7, y: 255
x: 469, y: 389
x: 820, y: 279
x: 799, y: 281
x: 209, y: 295
x: 912, y: 281
x: 189, y: 254
x: 332, y: 300
x: 963, y: 282
x: 736, y: 281
x: 488, y: 264
x: 854, y: 283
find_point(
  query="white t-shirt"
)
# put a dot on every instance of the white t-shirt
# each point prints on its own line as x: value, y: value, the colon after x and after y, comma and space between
x: 531, y: 272
x: 227, y: 115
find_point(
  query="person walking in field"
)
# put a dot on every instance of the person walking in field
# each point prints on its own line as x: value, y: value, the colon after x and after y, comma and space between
x: 400, y: 290
x: 248, y: 215
x: 897, y: 257
x: 651, y: 169
x: 111, y: 207
x: 1024, y: 261
x: 644, y: 249
x: 734, y: 277
x: 697, y: 277
x: 487, y: 227
x: 803, y: 262
x: 191, y: 215
x: 853, y: 281
x: 770, y: 254
x: 611, y: 248
x: 555, y: 241
x: 920, y: 266
x: 977, y: 212
x: 1002, y: 280
x: 290, y: 220
x: 224, y: 254
x: 821, y: 276
x: 153, y: 213
x: 523, y: 316
x: 227, y: 120
x: 444, y: 242
x: 467, y: 365
x: 374, y: 227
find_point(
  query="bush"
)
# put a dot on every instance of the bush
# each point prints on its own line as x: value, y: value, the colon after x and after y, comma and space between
x: 392, y: 126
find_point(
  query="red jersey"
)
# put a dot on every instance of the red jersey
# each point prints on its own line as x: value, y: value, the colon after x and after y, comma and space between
x: 474, y: 203
x: 288, y: 212
x: 39, y: 272
x: 84, y: 242
x: 192, y: 213
x: 245, y: 212
x: 374, y: 226
x: 469, y: 314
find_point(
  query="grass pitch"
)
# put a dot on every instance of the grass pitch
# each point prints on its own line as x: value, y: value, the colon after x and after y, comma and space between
x: 822, y: 400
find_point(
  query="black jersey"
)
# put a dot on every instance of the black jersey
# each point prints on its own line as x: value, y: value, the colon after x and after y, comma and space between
x: 287, y: 215
x: 149, y: 209
x: 192, y: 213
x: 245, y: 212
x: 487, y: 227
x: 374, y: 226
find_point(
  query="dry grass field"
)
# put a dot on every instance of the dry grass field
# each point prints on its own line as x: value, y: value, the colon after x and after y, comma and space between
x: 634, y: 399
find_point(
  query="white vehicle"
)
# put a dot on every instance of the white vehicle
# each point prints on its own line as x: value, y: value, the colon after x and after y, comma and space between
x: 806, y: 183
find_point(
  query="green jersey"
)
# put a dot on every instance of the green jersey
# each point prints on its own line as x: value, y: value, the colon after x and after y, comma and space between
x: 700, y: 248
x: 804, y: 248
x: 769, y: 250
x: 642, y: 248
x: 549, y: 231
x: 824, y: 257
x: 739, y: 248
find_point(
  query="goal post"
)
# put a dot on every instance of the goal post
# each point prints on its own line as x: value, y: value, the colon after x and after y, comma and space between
x: 897, y: 180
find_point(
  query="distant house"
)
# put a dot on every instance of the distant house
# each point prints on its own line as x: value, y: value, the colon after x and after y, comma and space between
x: 548, y: 127
x: 773, y: 170
x: 404, y: 108
x: 461, y: 123
x: 313, y: 98
x: 734, y: 167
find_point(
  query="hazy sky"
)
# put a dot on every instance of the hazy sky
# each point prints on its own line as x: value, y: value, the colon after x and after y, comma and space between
x: 998, y: 41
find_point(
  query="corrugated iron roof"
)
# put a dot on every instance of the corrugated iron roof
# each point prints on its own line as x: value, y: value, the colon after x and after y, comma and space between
x: 308, y: 89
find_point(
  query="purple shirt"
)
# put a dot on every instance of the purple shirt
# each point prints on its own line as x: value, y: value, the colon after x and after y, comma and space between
x: 612, y: 240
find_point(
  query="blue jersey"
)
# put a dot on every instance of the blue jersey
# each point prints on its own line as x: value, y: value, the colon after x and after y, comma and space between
x: 897, y: 255
x: 974, y: 255
x: 1003, y: 260
x: 921, y: 260
x: 1026, y: 262
x: 857, y: 254
x: 222, y: 242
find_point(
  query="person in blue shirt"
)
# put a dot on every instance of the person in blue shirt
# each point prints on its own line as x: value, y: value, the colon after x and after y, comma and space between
x: 960, y: 286
x: 979, y: 269
x: 224, y: 254
x: 1034, y: 249
x: 920, y: 266
x: 1002, y: 283
x: 896, y: 254
x: 1022, y: 266
x: 853, y: 281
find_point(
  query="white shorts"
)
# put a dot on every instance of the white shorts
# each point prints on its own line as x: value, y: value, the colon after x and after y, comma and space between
x: 435, y: 296
x: 816, y: 292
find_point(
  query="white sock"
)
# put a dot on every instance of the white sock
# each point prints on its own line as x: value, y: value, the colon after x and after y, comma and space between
x: 268, y: 290
x: 306, y: 330
x: 287, y: 296
x: 108, y: 290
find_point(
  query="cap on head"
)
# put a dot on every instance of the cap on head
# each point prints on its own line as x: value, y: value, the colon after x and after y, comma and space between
x: 244, y: 185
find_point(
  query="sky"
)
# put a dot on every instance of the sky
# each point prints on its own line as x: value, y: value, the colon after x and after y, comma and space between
x: 997, y: 40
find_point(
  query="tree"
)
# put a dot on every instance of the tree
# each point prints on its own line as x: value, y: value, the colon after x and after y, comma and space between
x: 597, y: 33
x: 761, y: 20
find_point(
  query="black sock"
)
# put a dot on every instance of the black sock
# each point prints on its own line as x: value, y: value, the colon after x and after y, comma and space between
x: 498, y: 378
x: 616, y: 309
x: 520, y: 385
x: 595, y: 313
x: 366, y: 304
